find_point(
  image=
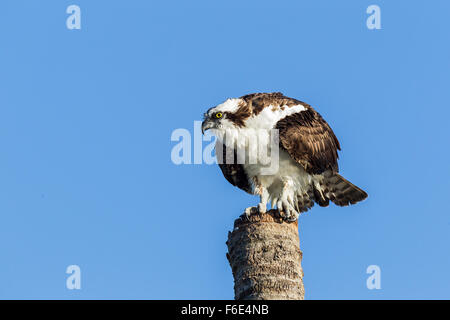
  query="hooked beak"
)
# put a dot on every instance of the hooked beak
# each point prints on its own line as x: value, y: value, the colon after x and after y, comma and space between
x: 207, y: 125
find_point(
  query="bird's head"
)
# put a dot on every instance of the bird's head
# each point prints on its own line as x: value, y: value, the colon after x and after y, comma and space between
x: 224, y: 116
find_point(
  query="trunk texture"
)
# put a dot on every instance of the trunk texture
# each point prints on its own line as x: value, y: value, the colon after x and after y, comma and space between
x: 265, y: 258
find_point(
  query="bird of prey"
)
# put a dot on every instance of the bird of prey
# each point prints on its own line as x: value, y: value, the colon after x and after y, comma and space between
x: 307, y: 171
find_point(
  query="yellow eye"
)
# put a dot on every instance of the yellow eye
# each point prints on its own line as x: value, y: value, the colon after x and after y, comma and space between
x: 219, y: 115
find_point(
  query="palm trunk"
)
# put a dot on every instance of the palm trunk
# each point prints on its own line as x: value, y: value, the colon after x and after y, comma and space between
x: 265, y: 258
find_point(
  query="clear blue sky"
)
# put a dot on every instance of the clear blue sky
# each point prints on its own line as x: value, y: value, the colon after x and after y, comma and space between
x: 86, y: 118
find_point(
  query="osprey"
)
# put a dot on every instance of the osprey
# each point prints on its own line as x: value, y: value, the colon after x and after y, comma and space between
x: 307, y: 170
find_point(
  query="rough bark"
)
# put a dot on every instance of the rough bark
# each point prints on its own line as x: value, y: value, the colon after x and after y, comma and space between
x: 265, y: 258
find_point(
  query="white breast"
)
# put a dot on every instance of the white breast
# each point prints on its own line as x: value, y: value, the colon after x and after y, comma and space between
x: 256, y: 131
x: 289, y: 171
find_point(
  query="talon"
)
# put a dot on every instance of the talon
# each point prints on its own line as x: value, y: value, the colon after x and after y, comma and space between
x: 249, y: 211
x: 262, y: 208
x: 293, y: 217
x: 280, y: 214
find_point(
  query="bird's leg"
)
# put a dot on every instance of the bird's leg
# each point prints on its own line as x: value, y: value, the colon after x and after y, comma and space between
x: 264, y: 197
x: 285, y: 203
x: 262, y: 205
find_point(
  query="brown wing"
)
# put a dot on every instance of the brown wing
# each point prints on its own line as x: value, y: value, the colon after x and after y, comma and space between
x: 232, y: 171
x: 310, y: 141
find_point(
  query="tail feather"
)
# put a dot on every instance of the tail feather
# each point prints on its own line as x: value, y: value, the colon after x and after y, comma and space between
x: 333, y: 187
x: 341, y: 191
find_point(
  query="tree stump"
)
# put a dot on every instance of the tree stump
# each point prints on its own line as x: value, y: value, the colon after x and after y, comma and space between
x: 265, y: 258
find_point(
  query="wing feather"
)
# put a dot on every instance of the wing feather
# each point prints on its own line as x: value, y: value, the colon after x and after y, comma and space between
x: 309, y: 140
x: 233, y: 172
